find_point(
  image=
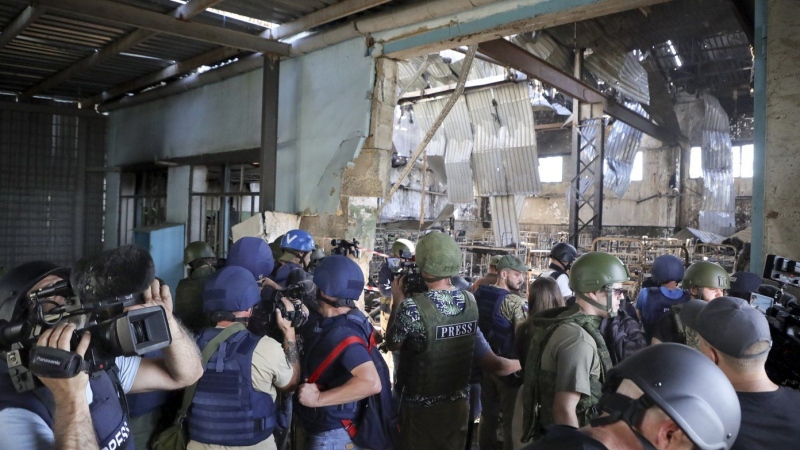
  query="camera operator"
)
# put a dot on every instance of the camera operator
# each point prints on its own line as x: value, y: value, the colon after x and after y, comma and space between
x: 439, y: 340
x: 352, y: 376
x: 239, y: 385
x: 737, y: 338
x: 86, y: 411
x: 297, y: 246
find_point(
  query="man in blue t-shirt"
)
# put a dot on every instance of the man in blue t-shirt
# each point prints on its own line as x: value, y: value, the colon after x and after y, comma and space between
x: 654, y: 302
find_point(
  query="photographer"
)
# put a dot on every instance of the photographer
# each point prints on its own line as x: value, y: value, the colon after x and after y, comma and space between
x: 438, y: 336
x: 332, y: 400
x: 296, y: 246
x: 239, y: 385
x: 84, y: 411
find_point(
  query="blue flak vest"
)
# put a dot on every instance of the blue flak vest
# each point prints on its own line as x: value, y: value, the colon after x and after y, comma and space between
x: 497, y: 330
x: 226, y: 410
x: 319, y: 343
x: 109, y: 418
x: 658, y: 306
x: 140, y: 404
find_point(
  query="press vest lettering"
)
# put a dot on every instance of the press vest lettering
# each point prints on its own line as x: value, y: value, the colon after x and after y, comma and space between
x: 455, y: 330
x: 118, y: 439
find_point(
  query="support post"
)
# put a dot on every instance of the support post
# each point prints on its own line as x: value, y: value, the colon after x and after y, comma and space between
x: 269, y: 133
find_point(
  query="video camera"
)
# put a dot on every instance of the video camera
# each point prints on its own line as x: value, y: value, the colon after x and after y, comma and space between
x: 301, y: 291
x: 343, y: 247
x: 413, y: 282
x: 98, y: 291
x: 783, y: 315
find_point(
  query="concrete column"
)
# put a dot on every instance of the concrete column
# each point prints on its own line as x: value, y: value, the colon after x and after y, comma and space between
x: 781, y: 213
x: 178, y: 194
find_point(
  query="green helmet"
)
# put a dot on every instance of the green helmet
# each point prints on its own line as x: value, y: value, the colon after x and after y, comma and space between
x: 594, y: 270
x: 706, y: 274
x: 197, y: 250
x: 403, y: 248
x: 438, y: 255
x: 275, y: 246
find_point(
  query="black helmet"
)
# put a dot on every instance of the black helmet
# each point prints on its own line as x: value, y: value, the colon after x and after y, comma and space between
x: 564, y: 252
x: 18, y: 281
x: 667, y: 268
x: 690, y: 389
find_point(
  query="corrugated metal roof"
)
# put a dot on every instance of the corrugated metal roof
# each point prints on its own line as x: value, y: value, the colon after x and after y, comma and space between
x: 426, y: 113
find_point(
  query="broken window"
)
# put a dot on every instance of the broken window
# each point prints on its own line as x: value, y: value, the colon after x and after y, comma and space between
x: 551, y: 169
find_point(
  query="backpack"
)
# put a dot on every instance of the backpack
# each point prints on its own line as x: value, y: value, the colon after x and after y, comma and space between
x: 623, y: 334
x: 377, y: 425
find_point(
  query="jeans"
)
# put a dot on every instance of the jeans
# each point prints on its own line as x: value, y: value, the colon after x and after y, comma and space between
x: 337, y: 439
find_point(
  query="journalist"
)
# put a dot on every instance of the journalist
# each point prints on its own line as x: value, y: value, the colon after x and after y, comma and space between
x: 85, y: 411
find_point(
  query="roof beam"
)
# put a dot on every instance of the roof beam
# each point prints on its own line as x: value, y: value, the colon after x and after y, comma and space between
x: 519, y: 59
x: 23, y: 20
x: 150, y: 79
x: 326, y: 15
x: 125, y: 43
x: 136, y: 17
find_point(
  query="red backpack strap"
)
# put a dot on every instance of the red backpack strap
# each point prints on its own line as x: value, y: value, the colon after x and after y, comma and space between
x: 346, y: 342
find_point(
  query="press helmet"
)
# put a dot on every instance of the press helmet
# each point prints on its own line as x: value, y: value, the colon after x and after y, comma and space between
x: 197, y: 250
x: 16, y: 283
x: 690, y: 389
x: 706, y: 274
x: 253, y: 254
x: 339, y: 277
x: 564, y: 252
x: 438, y: 255
x: 403, y: 248
x: 230, y: 289
x: 297, y: 240
x: 667, y: 268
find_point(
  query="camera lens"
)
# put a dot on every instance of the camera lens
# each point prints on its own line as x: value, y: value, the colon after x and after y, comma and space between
x: 139, y: 332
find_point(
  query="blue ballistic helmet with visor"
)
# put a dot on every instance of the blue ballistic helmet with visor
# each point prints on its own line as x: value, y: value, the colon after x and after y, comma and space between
x: 231, y: 289
x: 339, y: 277
x: 253, y: 254
x: 297, y: 240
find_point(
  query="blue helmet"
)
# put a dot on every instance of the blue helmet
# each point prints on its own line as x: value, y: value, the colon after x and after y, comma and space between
x: 231, y: 289
x: 253, y: 254
x: 339, y: 277
x: 667, y: 268
x: 297, y: 240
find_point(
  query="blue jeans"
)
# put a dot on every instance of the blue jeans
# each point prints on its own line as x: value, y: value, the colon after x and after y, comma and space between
x: 337, y: 439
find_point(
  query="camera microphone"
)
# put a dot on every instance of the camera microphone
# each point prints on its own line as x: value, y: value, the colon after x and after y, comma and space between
x: 113, y: 276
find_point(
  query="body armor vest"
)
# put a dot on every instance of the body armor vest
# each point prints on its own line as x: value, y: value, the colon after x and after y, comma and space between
x: 226, y: 410
x: 497, y: 330
x: 658, y: 305
x: 109, y: 418
x: 540, y: 385
x: 320, y: 342
x: 444, y: 366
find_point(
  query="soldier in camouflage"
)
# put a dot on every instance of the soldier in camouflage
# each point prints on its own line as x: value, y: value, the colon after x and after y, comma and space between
x: 567, y: 358
x: 189, y: 294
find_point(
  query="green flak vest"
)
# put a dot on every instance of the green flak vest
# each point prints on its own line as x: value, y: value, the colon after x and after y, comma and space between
x: 683, y: 334
x: 539, y: 387
x: 445, y: 364
x: 189, y: 300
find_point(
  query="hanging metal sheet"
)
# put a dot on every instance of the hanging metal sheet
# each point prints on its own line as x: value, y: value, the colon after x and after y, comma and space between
x: 505, y: 157
x: 620, y: 69
x: 620, y: 151
x: 717, y: 213
x: 458, y: 129
x: 406, y: 134
x: 427, y: 112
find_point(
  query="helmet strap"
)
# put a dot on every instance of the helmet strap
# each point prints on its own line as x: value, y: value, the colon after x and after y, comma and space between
x: 607, y: 307
x: 621, y: 407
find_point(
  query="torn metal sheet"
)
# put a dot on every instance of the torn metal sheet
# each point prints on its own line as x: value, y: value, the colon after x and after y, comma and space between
x: 621, y: 147
x: 718, y: 211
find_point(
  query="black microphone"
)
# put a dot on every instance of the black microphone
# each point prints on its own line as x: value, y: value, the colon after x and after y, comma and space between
x: 113, y: 276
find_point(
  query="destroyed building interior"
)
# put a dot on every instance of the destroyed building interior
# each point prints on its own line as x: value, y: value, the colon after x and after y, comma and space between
x: 632, y: 126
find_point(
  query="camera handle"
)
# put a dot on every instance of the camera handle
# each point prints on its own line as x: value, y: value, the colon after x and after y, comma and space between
x: 52, y: 362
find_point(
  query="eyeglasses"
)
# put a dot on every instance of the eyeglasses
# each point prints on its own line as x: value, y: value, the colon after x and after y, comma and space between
x: 618, y: 291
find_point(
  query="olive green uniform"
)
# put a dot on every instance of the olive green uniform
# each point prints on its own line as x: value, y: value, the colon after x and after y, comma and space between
x: 189, y: 299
